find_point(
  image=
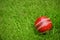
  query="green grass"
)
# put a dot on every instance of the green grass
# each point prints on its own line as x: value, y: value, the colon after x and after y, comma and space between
x: 17, y: 19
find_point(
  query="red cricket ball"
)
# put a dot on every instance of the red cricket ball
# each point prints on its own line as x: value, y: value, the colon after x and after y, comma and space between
x: 43, y: 24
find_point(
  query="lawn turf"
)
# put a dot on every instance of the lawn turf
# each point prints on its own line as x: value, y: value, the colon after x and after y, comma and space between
x: 17, y: 19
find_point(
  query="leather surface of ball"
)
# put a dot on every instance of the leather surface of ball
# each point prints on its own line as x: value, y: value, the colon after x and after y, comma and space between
x: 43, y: 24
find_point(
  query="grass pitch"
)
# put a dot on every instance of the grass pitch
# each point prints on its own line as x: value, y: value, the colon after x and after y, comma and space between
x: 17, y: 19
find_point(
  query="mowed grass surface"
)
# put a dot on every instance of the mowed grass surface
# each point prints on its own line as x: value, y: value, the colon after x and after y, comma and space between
x: 17, y: 19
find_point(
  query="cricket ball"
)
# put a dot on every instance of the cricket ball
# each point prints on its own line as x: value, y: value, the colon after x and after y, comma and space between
x: 43, y: 24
